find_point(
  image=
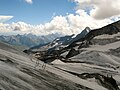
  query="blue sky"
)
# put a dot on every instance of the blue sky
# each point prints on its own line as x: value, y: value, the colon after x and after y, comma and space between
x: 40, y: 11
x: 43, y: 17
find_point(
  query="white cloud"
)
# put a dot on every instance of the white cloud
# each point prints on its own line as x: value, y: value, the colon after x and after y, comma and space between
x: 58, y: 24
x: 101, y: 13
x: 5, y: 18
x: 29, y: 1
x: 69, y: 24
x: 81, y: 20
x: 100, y: 9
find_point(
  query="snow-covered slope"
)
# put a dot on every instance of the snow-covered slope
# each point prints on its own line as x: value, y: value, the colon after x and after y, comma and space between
x: 18, y: 72
x: 92, y: 59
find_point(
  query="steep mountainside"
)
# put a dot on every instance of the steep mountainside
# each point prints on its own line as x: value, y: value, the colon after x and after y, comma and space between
x: 18, y: 72
x: 94, y: 57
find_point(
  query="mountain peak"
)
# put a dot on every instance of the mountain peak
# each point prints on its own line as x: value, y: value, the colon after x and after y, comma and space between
x: 87, y: 29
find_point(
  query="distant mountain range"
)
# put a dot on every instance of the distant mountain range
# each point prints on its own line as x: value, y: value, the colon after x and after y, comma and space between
x: 28, y: 40
x: 61, y: 42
